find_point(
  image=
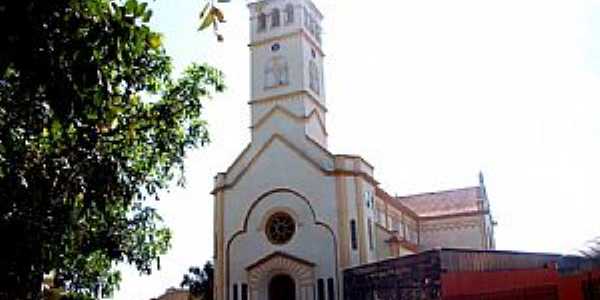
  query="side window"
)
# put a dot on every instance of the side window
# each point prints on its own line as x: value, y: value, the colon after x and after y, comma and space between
x: 370, y: 229
x: 289, y: 13
x: 369, y: 199
x: 275, y: 18
x: 353, y: 234
x: 262, y: 22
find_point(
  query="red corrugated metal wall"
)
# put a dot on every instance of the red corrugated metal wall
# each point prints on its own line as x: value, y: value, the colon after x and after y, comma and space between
x: 464, y: 283
x: 539, y: 284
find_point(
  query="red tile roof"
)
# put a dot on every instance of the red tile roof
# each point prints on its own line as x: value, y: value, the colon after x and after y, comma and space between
x: 445, y: 203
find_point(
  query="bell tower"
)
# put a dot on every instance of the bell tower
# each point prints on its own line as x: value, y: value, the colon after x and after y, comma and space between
x: 287, y: 85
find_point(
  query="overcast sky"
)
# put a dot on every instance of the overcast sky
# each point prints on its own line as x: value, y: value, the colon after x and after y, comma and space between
x: 430, y: 92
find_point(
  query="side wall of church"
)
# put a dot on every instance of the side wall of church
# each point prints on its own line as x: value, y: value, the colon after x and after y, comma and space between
x: 456, y: 232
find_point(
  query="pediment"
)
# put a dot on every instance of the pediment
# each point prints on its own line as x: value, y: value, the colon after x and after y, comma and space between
x: 300, y: 269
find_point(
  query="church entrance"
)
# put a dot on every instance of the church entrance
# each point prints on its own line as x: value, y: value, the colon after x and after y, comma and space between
x: 282, y: 287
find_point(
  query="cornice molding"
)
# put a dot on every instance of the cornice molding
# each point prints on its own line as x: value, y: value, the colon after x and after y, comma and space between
x: 285, y: 112
x: 293, y: 96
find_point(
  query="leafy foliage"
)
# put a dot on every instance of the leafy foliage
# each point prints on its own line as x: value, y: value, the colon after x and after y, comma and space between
x: 211, y: 15
x: 92, y: 124
x: 200, y: 281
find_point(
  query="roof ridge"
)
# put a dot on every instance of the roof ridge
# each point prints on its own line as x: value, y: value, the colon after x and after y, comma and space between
x: 437, y: 192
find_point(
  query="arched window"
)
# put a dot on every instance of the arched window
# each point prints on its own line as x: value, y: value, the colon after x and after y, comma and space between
x: 276, y: 72
x: 314, y: 77
x: 275, y: 18
x: 262, y: 22
x: 289, y: 13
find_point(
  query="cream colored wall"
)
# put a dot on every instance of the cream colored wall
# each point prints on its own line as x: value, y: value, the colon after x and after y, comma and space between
x: 457, y: 232
x: 351, y: 201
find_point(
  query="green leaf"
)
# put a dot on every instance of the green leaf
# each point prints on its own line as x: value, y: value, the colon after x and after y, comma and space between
x: 147, y: 16
x: 204, y: 10
x: 209, y: 19
x: 56, y: 129
x: 155, y: 41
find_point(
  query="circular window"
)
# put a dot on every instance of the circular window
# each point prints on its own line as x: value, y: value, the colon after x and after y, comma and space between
x: 280, y: 228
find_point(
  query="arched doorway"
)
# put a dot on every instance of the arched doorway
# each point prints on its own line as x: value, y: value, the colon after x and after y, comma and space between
x: 282, y: 287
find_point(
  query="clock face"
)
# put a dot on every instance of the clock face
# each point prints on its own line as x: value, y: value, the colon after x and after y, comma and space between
x: 275, y: 47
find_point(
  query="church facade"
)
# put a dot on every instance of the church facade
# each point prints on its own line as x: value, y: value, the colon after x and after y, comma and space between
x: 290, y: 215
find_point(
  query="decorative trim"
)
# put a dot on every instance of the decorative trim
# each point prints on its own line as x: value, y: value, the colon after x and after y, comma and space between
x: 450, y: 226
x: 457, y: 215
x: 238, y: 158
x: 362, y: 246
x: 289, y: 97
x: 350, y: 156
x: 219, y: 206
x: 343, y: 221
x: 265, y: 269
x: 279, y: 254
x: 301, y: 31
x: 286, y: 112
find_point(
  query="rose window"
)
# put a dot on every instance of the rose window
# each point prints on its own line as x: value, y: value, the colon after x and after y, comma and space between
x: 280, y: 228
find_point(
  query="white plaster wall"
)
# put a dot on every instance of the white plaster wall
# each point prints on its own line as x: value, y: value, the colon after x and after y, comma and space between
x: 279, y: 123
x: 296, y: 136
x: 291, y: 50
x: 315, y: 131
x: 279, y: 167
x: 294, y: 104
x: 311, y: 241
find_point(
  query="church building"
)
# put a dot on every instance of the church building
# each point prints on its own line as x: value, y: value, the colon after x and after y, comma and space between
x: 290, y: 216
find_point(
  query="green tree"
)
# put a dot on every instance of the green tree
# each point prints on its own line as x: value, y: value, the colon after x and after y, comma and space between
x: 199, y: 281
x: 93, y: 124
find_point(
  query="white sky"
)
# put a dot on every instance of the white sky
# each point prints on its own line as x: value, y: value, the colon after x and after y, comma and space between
x: 429, y: 92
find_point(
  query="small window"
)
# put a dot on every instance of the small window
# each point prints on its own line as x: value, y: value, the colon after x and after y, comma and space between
x: 353, y: 234
x: 244, y: 291
x: 370, y: 229
x: 275, y: 18
x: 330, y: 289
x: 235, y: 292
x: 321, y: 289
x: 262, y: 22
x: 289, y: 13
